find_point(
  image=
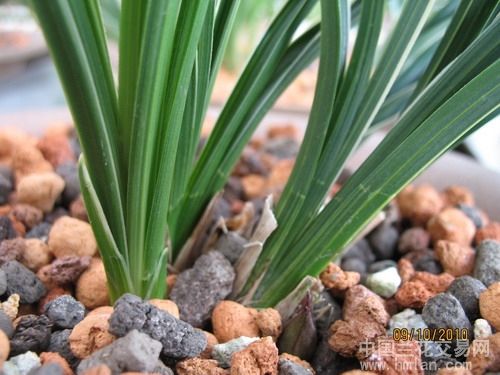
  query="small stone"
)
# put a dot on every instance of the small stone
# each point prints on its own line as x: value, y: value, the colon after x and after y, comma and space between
x: 4, y: 348
x: 5, y: 189
x: 179, y: 339
x: 455, y: 370
x: 65, y: 311
x: 41, y: 231
x: 56, y: 148
x: 52, y: 294
x: 98, y: 370
x: 166, y: 305
x: 231, y: 245
x: 21, y: 364
x: 487, y: 267
x: 489, y: 305
x: 419, y: 204
x: 354, y: 265
x: 381, y: 265
x: 69, y: 173
x: 364, y: 305
x: 467, y: 290
x: 280, y: 172
x: 282, y: 148
x: 254, y: 186
x: 90, y: 335
x: 231, y: 320
x: 199, y: 289
x: 70, y: 236
x: 408, y: 319
x: 445, y: 311
x: 28, y: 160
x: 405, y: 269
x: 7, y: 230
x: 32, y: 333
x: 59, y: 343
x: 286, y: 131
x: 360, y: 250
x: 223, y: 353
x: 211, y: 342
x: 77, y: 209
x: 3, y: 282
x: 23, y: 282
x: 12, y: 249
x: 456, y: 259
x: 28, y: 215
x: 40, y: 190
x: 384, y: 240
x: 55, y: 358
x: 490, y: 231
x: 199, y: 366
x: 455, y: 195
x: 48, y: 369
x: 269, y: 322
x: 348, y: 336
x: 92, y: 287
x: 452, y: 225
x: 414, y: 239
x: 260, y: 357
x: 11, y: 306
x: 285, y: 357
x: 474, y: 214
x: 67, y: 269
x: 36, y: 254
x: 338, y: 281
x: 482, y: 329
x: 56, y: 214
x: 134, y: 352
x: 385, y: 283
x: 6, y: 324
x: 287, y: 367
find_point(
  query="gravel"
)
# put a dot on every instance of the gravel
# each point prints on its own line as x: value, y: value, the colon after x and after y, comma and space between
x: 65, y: 311
x: 408, y: 318
x: 385, y: 283
x: 287, y: 367
x: 413, y: 239
x: 222, y: 353
x: 69, y: 173
x: 487, y: 267
x: 381, y: 265
x: 7, y: 231
x: 3, y: 282
x: 467, y: 290
x: 354, y: 265
x: 445, y: 311
x: 282, y: 148
x: 5, y: 189
x: 41, y: 231
x: 59, y: 343
x: 482, y: 329
x: 472, y: 213
x: 22, y: 281
x: 198, y: 289
x: 179, y: 339
x: 424, y: 260
x: 67, y: 269
x: 21, y: 364
x: 231, y: 245
x: 47, y: 369
x: 384, y: 240
x: 6, y: 324
x: 32, y: 333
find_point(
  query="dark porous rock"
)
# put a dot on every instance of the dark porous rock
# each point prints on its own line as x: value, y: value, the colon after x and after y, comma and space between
x: 487, y: 267
x: 384, y: 240
x: 198, y: 289
x: 3, y: 282
x: 22, y: 281
x: 6, y: 324
x: 179, y: 339
x: 41, y: 231
x: 287, y: 367
x: 67, y: 269
x: 467, y: 290
x: 136, y: 352
x: 59, y: 343
x: 424, y: 260
x: 32, y: 333
x: 472, y: 213
x: 5, y: 189
x: 231, y: 245
x: 354, y: 265
x: 57, y: 213
x: 282, y: 148
x: 445, y: 311
x: 360, y: 250
x: 47, y: 369
x: 7, y: 230
x: 414, y: 239
x: 381, y: 265
x: 12, y: 249
x: 69, y: 173
x: 65, y: 311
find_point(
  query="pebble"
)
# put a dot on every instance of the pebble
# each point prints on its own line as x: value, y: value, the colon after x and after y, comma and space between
x: 56, y: 214
x: 199, y: 289
x: 285, y: 357
x: 408, y: 318
x: 472, y: 213
x: 179, y: 339
x: 452, y: 225
x: 70, y: 236
x: 354, y: 265
x: 467, y: 290
x: 384, y: 240
x: 5, y: 189
x: 67, y: 269
x: 48, y: 369
x: 21, y: 364
x: 490, y: 231
x: 59, y: 343
x: 282, y: 148
x: 10, y: 307
x: 77, y: 209
x: 419, y: 203
x: 28, y: 160
x: 489, y: 305
x: 337, y: 280
x: 199, y: 366
x: 487, y: 267
x: 90, y: 335
x: 7, y: 231
x: 56, y: 148
x: 260, y: 357
x: 385, y: 283
x: 482, y: 329
x: 456, y: 259
x: 40, y: 190
x: 69, y: 173
x: 54, y: 358
x: 231, y: 320
x: 254, y: 186
x: 231, y: 245
x: 269, y: 323
x: 135, y: 351
x: 23, y: 282
x: 91, y: 287
x: 28, y: 215
x: 32, y: 332
x: 6, y: 324
x: 41, y: 231
x: 65, y: 311
x: 36, y: 254
x: 3, y: 282
x: 4, y: 348
x: 166, y: 305
x: 360, y: 250
x: 12, y: 249
x: 222, y: 353
x: 445, y: 311
x: 455, y: 195
x: 287, y: 367
x: 381, y: 265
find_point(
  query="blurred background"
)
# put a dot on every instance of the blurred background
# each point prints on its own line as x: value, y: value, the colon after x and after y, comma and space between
x: 31, y: 97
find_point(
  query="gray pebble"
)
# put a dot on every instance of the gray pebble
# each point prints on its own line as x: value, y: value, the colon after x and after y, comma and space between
x: 69, y: 173
x: 198, y: 289
x: 360, y: 250
x: 354, y: 265
x: 65, y: 311
x: 445, y: 311
x: 472, y: 213
x: 223, y: 353
x: 325, y: 311
x: 231, y: 245
x: 384, y: 240
x: 32, y: 333
x: 3, y: 282
x: 41, y: 231
x: 5, y: 189
x: 408, y: 318
x: 414, y: 239
x: 7, y: 231
x: 287, y: 367
x: 327, y: 362
x: 424, y: 260
x: 482, y: 329
x: 47, y: 369
x: 6, y: 324
x: 467, y: 290
x: 381, y: 265
x: 487, y: 267
x: 179, y: 339
x: 136, y: 352
x: 59, y: 343
x: 22, y: 281
x: 21, y: 364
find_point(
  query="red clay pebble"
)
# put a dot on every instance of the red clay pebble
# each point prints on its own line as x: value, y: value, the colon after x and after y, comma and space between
x: 40, y: 190
x: 56, y: 148
x: 28, y: 160
x: 90, y: 334
x: 282, y: 131
x: 231, y: 320
x: 364, y: 305
x: 455, y: 194
x: 269, y: 323
x: 260, y: 357
x: 348, y: 336
x: 490, y: 231
x: 254, y: 186
x: 337, y: 280
x: 484, y: 355
x: 457, y: 260
x: 28, y: 215
x: 36, y: 255
x: 70, y: 236
x: 405, y: 269
x: 421, y: 287
x: 452, y: 225
x: 199, y: 366
x: 91, y: 287
x: 12, y: 249
x: 77, y: 209
x: 414, y: 239
x: 419, y: 203
x: 489, y: 305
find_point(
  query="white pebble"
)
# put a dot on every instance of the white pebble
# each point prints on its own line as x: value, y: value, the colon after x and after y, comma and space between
x: 385, y: 283
x: 482, y: 329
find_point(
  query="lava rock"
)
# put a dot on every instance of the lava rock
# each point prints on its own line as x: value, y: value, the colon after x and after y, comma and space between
x: 59, y: 343
x: 6, y: 324
x: 385, y: 283
x: 22, y: 281
x: 3, y: 282
x: 472, y: 213
x: 384, y: 240
x: 231, y: 245
x: 41, y: 231
x: 5, y: 189
x: 381, y: 265
x: 32, y: 333
x: 69, y: 173
x: 467, y: 290
x: 47, y: 369
x: 65, y: 311
x: 199, y: 289
x: 487, y: 267
x: 287, y: 367
x: 360, y: 250
x: 179, y: 339
x: 445, y: 311
x: 21, y: 364
x: 222, y: 353
x: 7, y: 230
x: 136, y: 352
x: 12, y: 249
